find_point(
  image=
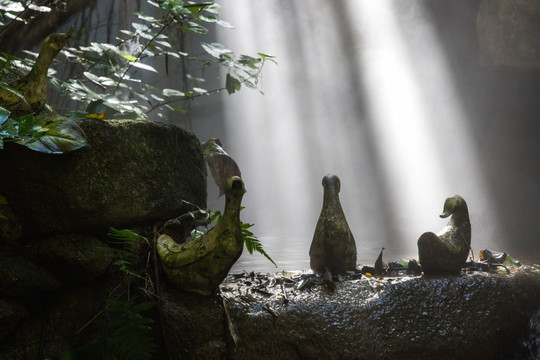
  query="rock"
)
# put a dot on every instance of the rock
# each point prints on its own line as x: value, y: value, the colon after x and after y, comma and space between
x: 195, y: 324
x: 475, y: 316
x: 11, y: 314
x: 509, y: 33
x: 131, y: 172
x: 67, y: 319
x: 20, y: 277
x: 10, y: 228
x: 75, y: 259
x: 468, y: 317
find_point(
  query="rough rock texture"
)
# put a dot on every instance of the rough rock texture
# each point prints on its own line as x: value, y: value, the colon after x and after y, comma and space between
x: 475, y: 316
x: 20, y: 277
x: 132, y: 172
x: 196, y: 325
x: 74, y: 259
x: 509, y: 33
x: 468, y: 317
x: 65, y: 320
x: 11, y: 313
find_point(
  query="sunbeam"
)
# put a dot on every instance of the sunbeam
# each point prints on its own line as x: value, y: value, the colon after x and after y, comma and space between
x: 362, y: 90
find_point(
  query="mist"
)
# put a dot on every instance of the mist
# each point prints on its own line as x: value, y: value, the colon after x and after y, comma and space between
x: 389, y: 96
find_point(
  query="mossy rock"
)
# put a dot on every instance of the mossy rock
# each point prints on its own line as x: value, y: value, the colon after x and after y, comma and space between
x: 131, y: 172
x: 20, y: 277
x: 74, y: 258
x: 11, y: 314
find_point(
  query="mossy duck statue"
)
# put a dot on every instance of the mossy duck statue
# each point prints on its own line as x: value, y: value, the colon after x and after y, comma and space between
x: 333, y: 247
x: 446, y: 252
x: 200, y: 265
x: 34, y: 84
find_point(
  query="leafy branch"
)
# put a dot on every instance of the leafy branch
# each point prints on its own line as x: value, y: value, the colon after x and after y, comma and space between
x: 108, y: 75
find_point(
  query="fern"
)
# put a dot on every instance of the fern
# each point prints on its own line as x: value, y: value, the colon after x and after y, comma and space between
x: 252, y: 242
x: 127, y: 259
x: 130, y: 331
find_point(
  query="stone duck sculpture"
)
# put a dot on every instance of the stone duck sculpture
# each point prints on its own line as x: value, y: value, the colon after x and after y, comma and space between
x: 446, y: 252
x: 201, y: 265
x: 333, y: 247
x: 34, y: 84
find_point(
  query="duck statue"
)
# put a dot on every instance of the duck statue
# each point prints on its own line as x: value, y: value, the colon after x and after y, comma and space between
x: 34, y: 84
x: 200, y: 265
x: 446, y: 252
x: 333, y: 247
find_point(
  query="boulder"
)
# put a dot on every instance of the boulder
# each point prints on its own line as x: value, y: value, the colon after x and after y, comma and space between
x: 469, y: 317
x: 11, y: 314
x: 131, y: 172
x: 74, y: 258
x: 276, y: 316
x: 21, y: 277
x: 509, y: 33
x: 195, y: 324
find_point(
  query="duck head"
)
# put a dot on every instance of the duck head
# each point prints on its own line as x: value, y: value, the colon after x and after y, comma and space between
x: 57, y: 41
x: 331, y: 183
x: 235, y: 186
x: 453, y: 204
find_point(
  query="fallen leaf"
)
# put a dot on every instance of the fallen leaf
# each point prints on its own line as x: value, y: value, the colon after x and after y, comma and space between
x: 221, y: 165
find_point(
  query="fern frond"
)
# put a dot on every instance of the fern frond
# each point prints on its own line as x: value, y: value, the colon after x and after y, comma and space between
x: 127, y: 240
x: 252, y: 242
x: 130, y: 330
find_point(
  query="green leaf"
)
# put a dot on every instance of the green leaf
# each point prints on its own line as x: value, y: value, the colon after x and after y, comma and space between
x: 129, y: 57
x: 4, y: 85
x: 216, y: 49
x: 39, y: 8
x: 232, y: 84
x: 195, y: 234
x: 200, y: 91
x: 179, y: 109
x: 252, y: 243
x: 140, y: 65
x: 268, y: 57
x: 172, y: 92
x: 59, y: 136
x: 4, y: 115
x: 197, y: 8
x: 196, y: 28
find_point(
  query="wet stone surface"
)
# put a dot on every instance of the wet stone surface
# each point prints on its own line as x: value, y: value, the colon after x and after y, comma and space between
x: 297, y: 316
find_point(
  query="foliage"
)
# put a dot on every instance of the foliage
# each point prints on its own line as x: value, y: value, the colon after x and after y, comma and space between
x: 107, y: 72
x: 250, y: 239
x: 127, y: 240
x: 12, y: 10
x: 51, y: 135
x: 130, y: 330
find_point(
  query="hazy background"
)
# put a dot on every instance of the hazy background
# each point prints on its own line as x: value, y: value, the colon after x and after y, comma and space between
x: 389, y: 96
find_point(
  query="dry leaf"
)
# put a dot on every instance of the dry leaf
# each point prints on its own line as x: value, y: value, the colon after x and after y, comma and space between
x: 221, y: 165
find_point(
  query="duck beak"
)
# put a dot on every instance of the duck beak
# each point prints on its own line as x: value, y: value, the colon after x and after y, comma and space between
x: 445, y: 215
